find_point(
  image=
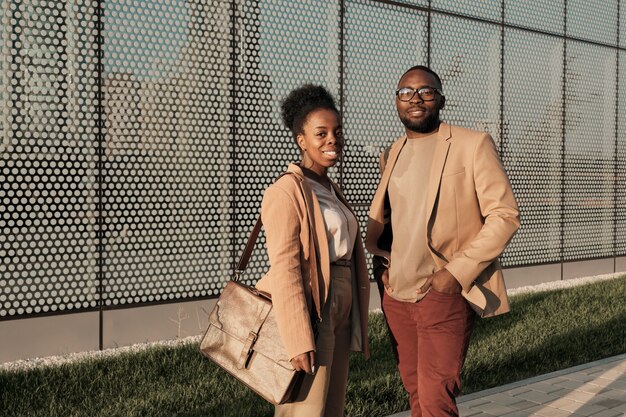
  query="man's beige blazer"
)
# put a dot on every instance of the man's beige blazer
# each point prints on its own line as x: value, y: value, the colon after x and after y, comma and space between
x: 472, y: 214
x: 299, y: 274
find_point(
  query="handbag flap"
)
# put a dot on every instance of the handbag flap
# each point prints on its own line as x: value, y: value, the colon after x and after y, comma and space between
x: 244, y: 314
x: 239, y: 310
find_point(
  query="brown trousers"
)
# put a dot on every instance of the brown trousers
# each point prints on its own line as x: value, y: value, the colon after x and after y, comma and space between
x: 432, y: 336
x: 324, y: 393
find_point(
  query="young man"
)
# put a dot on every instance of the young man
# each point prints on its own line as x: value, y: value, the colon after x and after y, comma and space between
x: 443, y: 212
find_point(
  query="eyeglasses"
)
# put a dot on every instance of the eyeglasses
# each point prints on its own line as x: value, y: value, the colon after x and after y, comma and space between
x: 425, y: 93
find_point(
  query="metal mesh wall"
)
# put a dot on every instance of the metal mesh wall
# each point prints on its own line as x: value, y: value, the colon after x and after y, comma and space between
x: 621, y: 25
x: 395, y: 41
x: 594, y: 22
x: 620, y: 161
x: 48, y: 161
x: 486, y: 9
x: 166, y: 209
x: 467, y: 56
x: 137, y: 136
x: 542, y: 15
x: 532, y: 150
x: 589, y: 151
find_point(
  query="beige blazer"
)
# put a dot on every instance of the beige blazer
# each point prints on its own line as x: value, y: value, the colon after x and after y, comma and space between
x: 299, y: 274
x: 472, y: 214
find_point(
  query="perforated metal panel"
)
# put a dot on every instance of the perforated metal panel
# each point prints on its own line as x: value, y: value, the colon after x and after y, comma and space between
x: 543, y: 15
x: 466, y: 55
x: 167, y: 151
x: 593, y: 21
x: 422, y: 3
x: 137, y: 136
x: 532, y: 151
x: 589, y: 151
x: 485, y: 9
x: 381, y: 42
x: 620, y: 162
x: 622, y: 23
x: 47, y: 161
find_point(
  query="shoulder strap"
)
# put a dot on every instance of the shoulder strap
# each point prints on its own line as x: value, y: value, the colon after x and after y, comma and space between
x: 247, y: 252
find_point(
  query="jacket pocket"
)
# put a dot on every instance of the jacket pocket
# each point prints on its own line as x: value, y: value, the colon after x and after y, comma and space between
x: 455, y: 171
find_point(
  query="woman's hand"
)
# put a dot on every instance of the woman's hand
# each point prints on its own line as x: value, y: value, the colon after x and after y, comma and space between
x: 304, y: 362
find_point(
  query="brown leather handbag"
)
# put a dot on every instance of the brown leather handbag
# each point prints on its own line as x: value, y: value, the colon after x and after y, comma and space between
x: 243, y: 339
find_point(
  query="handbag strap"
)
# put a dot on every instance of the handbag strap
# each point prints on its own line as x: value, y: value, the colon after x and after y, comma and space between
x: 247, y: 252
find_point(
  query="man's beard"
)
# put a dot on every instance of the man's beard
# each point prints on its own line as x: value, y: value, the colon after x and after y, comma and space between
x: 424, y: 126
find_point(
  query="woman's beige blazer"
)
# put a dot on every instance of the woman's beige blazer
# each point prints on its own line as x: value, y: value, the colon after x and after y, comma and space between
x: 472, y: 214
x: 299, y: 274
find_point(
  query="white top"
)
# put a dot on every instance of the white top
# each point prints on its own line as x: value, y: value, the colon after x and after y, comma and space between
x: 341, y: 224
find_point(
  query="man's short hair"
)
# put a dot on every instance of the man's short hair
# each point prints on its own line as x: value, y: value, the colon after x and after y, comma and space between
x: 425, y: 69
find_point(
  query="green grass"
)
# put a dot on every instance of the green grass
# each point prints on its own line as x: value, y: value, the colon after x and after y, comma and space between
x: 543, y: 333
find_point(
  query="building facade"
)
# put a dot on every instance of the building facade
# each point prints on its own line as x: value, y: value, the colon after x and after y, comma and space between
x: 137, y: 136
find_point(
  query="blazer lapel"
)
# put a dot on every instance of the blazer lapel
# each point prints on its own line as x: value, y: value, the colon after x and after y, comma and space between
x: 321, y: 241
x: 320, y: 245
x: 436, y: 172
x: 436, y: 169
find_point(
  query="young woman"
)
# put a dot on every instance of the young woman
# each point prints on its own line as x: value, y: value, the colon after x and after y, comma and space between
x: 317, y: 262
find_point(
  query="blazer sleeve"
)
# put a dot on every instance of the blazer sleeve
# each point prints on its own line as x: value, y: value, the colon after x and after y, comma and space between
x: 384, y: 240
x: 282, y: 222
x: 500, y: 215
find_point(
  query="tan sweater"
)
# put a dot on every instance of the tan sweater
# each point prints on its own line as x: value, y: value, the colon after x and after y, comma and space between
x: 411, y: 260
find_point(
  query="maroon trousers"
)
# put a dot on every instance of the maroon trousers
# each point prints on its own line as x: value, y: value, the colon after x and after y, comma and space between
x: 432, y: 337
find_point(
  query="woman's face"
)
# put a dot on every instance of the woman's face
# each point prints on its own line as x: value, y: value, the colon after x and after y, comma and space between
x: 321, y: 140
